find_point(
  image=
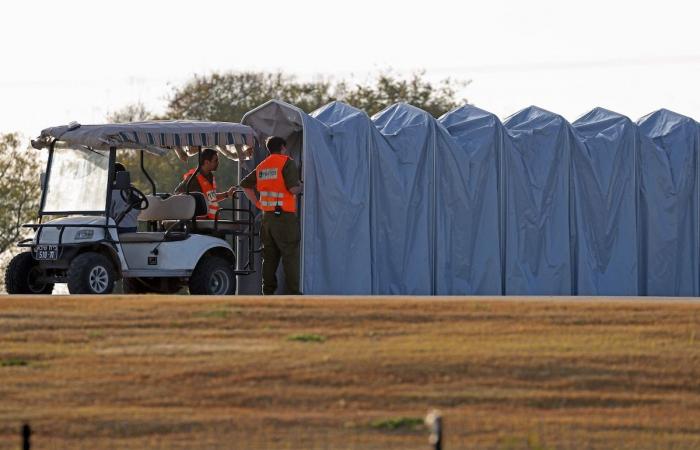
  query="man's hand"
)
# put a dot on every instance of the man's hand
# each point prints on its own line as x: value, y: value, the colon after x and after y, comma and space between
x: 298, y: 189
x: 224, y: 195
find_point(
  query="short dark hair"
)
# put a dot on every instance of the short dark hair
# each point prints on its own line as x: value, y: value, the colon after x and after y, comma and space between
x: 208, y: 154
x: 119, y: 167
x: 274, y: 144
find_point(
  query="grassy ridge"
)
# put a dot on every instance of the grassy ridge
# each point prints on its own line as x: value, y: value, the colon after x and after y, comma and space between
x: 197, y: 372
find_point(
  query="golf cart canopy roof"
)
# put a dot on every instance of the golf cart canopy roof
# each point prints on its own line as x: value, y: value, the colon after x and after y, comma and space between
x: 157, y: 137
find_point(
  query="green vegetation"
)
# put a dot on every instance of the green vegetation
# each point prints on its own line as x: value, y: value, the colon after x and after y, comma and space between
x: 19, y: 189
x: 215, y: 314
x: 398, y: 423
x: 13, y: 362
x: 307, y: 337
x: 227, y: 96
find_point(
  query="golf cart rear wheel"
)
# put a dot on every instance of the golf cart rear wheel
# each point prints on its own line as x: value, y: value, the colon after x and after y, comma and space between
x: 23, y: 276
x: 213, y: 276
x: 91, y: 273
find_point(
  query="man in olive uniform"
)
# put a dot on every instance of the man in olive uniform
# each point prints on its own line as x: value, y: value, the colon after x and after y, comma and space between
x: 276, y: 180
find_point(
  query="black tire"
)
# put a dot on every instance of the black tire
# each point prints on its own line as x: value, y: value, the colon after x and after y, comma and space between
x: 151, y: 285
x: 21, y: 274
x: 213, y: 276
x: 91, y: 273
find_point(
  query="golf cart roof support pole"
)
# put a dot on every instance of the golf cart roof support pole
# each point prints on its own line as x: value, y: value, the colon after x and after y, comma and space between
x: 199, y: 165
x: 150, y: 180
x: 110, y: 182
x: 45, y: 187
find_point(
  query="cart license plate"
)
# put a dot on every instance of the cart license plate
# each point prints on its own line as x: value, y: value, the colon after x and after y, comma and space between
x: 46, y: 252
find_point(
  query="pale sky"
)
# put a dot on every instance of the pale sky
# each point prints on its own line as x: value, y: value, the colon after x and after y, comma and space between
x: 79, y: 60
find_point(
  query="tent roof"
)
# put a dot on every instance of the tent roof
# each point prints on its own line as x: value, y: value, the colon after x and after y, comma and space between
x: 533, y: 118
x: 663, y: 122
x: 275, y: 118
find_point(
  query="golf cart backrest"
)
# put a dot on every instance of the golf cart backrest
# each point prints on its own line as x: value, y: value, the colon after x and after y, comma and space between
x: 175, y: 207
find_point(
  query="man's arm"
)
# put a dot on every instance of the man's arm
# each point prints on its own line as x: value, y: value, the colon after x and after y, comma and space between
x: 224, y: 195
x: 250, y: 194
x: 290, y: 173
x: 248, y: 185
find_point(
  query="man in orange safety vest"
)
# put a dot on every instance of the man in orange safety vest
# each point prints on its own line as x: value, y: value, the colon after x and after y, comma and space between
x: 276, y: 180
x: 205, y: 183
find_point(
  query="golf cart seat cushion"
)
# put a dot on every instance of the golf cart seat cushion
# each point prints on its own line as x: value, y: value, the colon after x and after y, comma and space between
x: 152, y: 236
x: 175, y: 207
x: 208, y: 225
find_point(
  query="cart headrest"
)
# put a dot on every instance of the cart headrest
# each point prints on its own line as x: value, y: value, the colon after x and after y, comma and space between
x: 175, y: 207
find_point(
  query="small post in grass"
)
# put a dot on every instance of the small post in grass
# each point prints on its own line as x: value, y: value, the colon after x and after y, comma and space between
x: 434, y: 422
x: 26, y: 435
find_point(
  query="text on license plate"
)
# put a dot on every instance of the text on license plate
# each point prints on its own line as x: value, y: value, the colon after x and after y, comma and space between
x: 46, y: 252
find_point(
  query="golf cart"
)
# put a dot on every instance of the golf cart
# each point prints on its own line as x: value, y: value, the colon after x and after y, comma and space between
x: 77, y: 242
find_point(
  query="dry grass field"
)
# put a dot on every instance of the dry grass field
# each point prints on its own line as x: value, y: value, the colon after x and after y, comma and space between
x: 349, y: 373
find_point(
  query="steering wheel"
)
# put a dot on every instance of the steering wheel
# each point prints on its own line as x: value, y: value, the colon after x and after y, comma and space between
x: 134, y: 198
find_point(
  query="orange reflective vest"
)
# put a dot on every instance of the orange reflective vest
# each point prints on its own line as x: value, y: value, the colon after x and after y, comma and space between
x: 209, y: 191
x: 270, y: 184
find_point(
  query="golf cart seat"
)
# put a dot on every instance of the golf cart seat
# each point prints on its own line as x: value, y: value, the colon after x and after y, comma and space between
x: 172, y: 209
x: 176, y: 207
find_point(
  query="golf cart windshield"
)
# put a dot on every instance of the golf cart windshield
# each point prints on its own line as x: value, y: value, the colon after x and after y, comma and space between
x: 76, y: 180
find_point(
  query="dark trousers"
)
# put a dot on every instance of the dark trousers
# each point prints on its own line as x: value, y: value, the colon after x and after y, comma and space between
x: 280, y: 236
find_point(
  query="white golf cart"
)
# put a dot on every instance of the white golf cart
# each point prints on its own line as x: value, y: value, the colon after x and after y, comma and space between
x: 79, y: 243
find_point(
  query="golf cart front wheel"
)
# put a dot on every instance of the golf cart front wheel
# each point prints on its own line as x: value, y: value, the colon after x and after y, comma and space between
x: 91, y: 273
x: 23, y: 276
x: 213, y: 276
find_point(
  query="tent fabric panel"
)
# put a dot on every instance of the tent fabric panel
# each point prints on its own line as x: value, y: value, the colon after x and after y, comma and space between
x: 337, y: 235
x: 402, y: 161
x: 605, y: 195
x: 537, y: 161
x: 468, y: 219
x: 668, y: 208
